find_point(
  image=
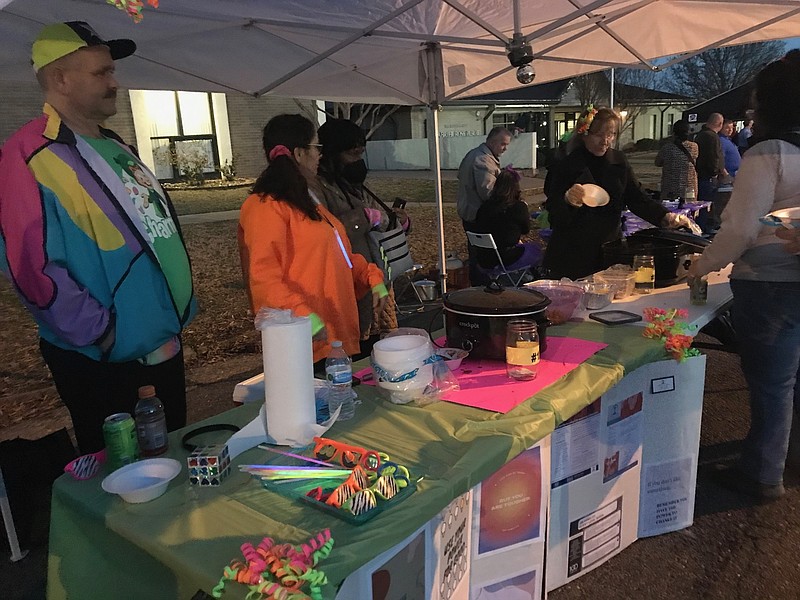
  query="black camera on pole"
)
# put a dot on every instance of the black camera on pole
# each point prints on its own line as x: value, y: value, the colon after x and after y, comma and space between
x: 520, y: 55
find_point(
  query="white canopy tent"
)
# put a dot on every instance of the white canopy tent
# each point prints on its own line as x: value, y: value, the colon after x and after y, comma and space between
x: 413, y: 52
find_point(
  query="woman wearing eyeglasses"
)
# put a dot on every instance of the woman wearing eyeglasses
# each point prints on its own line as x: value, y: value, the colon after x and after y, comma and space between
x: 295, y: 254
x: 579, y: 230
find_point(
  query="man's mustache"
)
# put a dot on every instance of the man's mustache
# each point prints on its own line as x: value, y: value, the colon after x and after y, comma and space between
x: 111, y: 95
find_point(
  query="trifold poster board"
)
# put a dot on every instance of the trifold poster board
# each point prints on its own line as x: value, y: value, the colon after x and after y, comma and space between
x: 673, y: 411
x: 509, y: 526
x: 487, y: 544
x: 624, y: 467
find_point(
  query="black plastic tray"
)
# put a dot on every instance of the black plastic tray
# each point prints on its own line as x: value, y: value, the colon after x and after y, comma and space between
x: 615, y: 317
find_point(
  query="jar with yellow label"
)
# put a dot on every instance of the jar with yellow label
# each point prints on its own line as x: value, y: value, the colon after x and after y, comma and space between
x: 522, y: 349
x: 644, y: 270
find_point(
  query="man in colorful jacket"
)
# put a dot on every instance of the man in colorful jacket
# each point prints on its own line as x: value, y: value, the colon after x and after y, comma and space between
x: 102, y: 270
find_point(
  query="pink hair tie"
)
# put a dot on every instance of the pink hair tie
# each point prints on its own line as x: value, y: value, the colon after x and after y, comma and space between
x: 279, y: 150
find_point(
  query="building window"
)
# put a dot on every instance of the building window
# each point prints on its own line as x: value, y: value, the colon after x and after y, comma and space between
x: 654, y: 127
x: 670, y: 123
x: 525, y: 122
x: 177, y: 131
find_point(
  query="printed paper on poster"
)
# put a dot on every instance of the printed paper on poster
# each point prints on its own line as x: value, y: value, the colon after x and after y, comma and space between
x: 511, y: 503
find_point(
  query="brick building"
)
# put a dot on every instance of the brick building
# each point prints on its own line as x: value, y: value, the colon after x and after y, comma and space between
x: 229, y: 131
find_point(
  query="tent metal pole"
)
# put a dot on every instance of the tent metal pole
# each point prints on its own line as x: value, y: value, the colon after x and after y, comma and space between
x: 436, y: 169
x: 611, y: 99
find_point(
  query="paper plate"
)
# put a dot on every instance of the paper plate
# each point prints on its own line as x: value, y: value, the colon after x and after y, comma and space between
x: 142, y: 481
x: 785, y: 217
x: 594, y: 195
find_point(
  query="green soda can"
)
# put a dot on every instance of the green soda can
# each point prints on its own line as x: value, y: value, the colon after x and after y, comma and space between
x: 119, y: 433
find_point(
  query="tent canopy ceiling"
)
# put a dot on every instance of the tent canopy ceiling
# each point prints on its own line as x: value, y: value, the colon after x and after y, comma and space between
x: 389, y: 51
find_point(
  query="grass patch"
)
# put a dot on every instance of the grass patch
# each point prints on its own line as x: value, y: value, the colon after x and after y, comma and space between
x: 191, y: 202
x: 413, y: 190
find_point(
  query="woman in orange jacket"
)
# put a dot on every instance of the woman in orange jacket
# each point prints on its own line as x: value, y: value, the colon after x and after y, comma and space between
x: 295, y: 254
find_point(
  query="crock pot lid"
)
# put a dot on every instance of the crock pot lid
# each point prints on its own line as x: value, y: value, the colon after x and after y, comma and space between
x: 505, y: 301
x: 683, y: 237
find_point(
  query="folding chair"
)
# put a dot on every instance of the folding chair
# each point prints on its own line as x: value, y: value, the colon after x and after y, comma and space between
x: 485, y: 240
x: 401, y: 286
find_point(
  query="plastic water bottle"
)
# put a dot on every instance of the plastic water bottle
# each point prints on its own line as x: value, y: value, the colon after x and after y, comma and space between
x: 151, y: 423
x: 339, y: 373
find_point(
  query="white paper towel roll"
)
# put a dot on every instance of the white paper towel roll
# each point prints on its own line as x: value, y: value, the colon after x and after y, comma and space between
x: 288, y: 378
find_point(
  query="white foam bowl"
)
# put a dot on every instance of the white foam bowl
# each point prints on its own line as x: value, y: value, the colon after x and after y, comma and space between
x: 594, y: 195
x: 142, y: 481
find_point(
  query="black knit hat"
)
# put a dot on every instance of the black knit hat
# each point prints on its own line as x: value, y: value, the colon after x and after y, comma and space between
x: 338, y: 135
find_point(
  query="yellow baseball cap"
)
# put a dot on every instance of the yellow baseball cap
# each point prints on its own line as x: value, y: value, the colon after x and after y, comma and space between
x: 57, y: 40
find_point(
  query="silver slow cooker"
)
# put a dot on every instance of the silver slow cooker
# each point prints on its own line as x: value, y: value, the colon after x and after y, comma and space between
x: 476, y: 317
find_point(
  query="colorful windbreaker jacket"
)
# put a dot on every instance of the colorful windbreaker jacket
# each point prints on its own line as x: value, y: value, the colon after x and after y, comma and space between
x: 74, y: 249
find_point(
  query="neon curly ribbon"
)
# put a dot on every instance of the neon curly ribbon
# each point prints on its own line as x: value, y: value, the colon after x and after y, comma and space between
x: 665, y: 325
x: 280, y: 571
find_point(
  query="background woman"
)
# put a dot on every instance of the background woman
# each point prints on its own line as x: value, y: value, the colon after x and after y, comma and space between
x: 342, y: 172
x: 579, y: 231
x: 506, y: 216
x: 765, y: 281
x: 677, y: 161
x: 295, y: 254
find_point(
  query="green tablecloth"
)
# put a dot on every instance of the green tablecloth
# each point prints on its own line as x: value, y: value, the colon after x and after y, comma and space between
x: 180, y: 542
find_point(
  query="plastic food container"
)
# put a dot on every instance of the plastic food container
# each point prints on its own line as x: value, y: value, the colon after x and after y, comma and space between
x: 396, y: 357
x: 142, y: 481
x: 597, y: 295
x: 564, y: 298
x: 619, y: 277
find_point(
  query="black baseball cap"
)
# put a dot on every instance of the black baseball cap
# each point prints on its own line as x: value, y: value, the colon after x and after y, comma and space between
x: 60, y: 39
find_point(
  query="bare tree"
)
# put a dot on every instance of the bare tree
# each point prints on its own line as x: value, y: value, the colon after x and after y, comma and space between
x: 591, y: 88
x: 716, y: 71
x: 368, y: 116
x: 632, y: 89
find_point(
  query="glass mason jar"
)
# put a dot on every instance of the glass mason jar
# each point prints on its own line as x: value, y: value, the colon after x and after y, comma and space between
x: 522, y: 349
x: 698, y: 287
x: 644, y: 269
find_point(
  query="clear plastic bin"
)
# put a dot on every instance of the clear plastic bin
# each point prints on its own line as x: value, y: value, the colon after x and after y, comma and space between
x: 622, y: 280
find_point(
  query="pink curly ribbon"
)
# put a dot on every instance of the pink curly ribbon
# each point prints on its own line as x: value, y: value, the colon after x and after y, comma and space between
x: 280, y: 571
x: 279, y: 150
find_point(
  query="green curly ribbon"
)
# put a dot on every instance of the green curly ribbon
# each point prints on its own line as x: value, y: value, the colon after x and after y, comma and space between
x: 286, y: 569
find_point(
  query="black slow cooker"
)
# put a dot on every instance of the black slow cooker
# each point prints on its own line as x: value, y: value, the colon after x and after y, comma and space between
x: 669, y: 249
x: 476, y: 317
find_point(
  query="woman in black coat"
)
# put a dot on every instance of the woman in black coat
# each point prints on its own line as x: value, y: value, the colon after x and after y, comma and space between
x: 579, y: 231
x: 506, y: 216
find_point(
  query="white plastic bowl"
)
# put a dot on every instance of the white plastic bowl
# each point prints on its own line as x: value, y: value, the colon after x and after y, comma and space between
x: 142, y: 481
x: 452, y: 356
x: 594, y: 195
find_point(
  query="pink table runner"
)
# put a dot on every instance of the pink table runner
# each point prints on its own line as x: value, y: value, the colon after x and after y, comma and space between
x: 484, y: 383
